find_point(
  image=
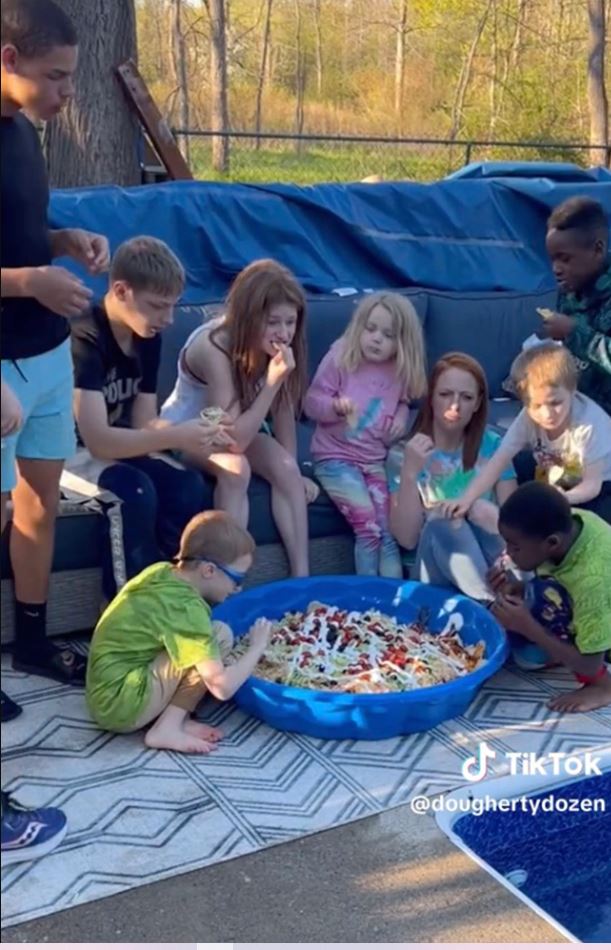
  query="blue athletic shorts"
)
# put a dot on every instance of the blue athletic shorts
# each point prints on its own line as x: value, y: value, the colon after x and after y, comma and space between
x: 43, y: 385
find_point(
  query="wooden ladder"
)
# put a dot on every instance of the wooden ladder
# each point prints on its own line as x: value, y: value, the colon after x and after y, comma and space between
x: 155, y: 126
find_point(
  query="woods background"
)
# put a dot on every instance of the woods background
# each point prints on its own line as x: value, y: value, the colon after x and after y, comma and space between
x: 526, y: 71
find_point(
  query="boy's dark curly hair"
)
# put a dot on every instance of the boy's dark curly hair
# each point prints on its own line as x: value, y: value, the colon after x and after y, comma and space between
x: 583, y: 215
x: 537, y: 510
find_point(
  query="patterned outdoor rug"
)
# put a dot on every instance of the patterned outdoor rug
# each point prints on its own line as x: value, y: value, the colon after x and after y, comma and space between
x: 136, y: 815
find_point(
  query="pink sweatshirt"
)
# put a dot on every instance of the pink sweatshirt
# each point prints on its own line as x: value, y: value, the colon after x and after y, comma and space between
x: 374, y: 388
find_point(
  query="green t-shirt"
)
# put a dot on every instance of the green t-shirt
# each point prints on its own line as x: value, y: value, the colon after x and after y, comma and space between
x: 155, y: 611
x: 585, y: 572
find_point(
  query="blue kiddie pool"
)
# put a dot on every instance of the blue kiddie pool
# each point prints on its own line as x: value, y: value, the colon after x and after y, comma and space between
x: 329, y: 715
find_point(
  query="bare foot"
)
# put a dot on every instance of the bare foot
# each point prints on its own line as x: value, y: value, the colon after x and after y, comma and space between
x: 202, y: 731
x: 178, y: 740
x: 593, y: 696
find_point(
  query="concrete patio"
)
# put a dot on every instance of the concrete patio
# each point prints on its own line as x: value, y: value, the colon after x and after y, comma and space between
x: 392, y: 877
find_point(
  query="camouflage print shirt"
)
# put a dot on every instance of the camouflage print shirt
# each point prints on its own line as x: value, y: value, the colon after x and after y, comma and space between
x: 590, y: 341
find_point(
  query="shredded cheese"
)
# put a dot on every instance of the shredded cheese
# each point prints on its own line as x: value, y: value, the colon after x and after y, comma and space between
x: 326, y: 648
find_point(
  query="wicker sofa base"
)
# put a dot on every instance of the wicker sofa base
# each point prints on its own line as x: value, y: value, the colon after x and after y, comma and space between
x: 76, y: 598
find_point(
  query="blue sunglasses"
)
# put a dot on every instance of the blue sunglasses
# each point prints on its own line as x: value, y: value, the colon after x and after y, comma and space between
x: 238, y: 577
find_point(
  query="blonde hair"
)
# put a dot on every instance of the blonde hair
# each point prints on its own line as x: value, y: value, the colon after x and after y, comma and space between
x: 214, y: 535
x: 545, y: 365
x: 410, y: 358
x: 146, y: 263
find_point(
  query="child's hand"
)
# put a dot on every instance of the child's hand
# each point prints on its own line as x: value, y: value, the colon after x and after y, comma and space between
x: 500, y: 582
x: 344, y: 406
x: 454, y: 509
x: 558, y: 326
x: 498, y: 579
x: 312, y: 490
x: 281, y: 365
x: 12, y: 413
x: 200, y: 434
x: 513, y: 614
x: 224, y: 439
x: 259, y: 634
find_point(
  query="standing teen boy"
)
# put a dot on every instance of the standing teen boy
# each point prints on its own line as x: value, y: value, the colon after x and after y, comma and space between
x: 38, y: 58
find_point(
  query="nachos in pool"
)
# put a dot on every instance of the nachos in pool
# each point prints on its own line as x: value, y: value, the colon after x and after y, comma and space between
x: 326, y: 648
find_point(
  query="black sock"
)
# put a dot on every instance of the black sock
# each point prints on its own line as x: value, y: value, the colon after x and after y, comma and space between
x: 30, y: 630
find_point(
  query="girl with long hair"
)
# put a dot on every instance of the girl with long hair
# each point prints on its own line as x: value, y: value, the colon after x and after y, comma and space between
x: 251, y: 364
x: 450, y: 444
x: 359, y: 399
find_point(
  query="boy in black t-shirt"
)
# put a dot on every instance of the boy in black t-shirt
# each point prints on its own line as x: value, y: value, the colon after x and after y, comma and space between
x: 38, y: 60
x: 116, y: 351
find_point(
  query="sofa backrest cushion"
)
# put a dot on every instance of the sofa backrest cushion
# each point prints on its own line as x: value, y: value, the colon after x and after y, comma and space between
x: 491, y: 327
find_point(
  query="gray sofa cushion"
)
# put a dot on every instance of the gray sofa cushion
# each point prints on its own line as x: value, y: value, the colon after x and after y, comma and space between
x: 491, y: 327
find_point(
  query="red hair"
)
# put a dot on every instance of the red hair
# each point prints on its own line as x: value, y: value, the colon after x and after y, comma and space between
x: 255, y: 290
x: 474, y: 431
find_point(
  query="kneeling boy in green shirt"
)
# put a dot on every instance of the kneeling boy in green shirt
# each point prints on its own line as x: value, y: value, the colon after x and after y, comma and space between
x: 566, y: 610
x: 156, y: 651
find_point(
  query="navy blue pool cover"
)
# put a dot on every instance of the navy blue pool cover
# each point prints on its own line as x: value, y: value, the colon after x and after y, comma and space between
x: 563, y: 857
x: 470, y: 232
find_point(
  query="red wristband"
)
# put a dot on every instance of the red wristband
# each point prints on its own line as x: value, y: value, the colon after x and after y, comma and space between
x: 587, y: 680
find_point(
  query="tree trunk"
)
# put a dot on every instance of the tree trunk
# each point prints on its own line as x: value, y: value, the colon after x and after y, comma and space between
x: 262, y: 70
x: 510, y: 65
x: 318, y: 35
x: 400, y: 62
x: 465, y: 73
x: 219, y: 112
x: 597, y: 94
x: 299, y: 78
x: 494, y: 76
x: 178, y: 58
x: 95, y: 140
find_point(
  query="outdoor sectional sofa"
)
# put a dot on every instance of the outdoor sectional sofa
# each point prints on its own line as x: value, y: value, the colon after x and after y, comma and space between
x: 489, y: 326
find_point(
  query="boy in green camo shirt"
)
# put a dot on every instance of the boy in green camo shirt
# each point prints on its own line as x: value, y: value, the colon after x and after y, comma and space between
x: 578, y: 246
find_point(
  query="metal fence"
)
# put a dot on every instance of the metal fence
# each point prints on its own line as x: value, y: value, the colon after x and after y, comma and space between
x: 306, y: 159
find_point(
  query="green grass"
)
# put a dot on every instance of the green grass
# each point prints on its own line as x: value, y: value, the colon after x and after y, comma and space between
x: 328, y: 164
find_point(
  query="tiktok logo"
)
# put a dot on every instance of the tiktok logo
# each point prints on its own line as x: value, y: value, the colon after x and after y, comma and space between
x: 475, y: 768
